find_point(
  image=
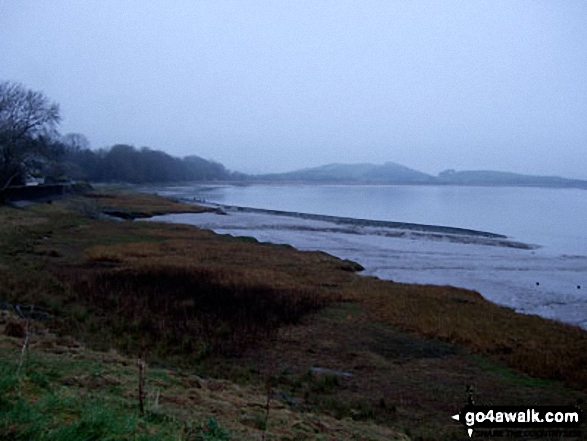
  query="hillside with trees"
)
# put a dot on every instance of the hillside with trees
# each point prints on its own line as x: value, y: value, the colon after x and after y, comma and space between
x: 388, y: 173
x: 32, y: 148
x: 391, y: 173
x: 126, y: 163
x: 28, y: 121
x: 499, y: 178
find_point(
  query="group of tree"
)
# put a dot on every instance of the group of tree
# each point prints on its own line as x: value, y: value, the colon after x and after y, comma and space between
x: 28, y: 135
x: 31, y: 146
x: 125, y: 163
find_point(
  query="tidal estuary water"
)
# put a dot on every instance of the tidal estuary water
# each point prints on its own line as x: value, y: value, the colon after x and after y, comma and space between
x: 535, y: 262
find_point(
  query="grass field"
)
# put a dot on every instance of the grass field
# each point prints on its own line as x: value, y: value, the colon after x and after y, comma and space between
x: 285, y: 344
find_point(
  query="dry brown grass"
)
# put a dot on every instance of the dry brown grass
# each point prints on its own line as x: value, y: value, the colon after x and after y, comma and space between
x: 534, y: 345
x: 168, y: 309
x: 123, y: 257
x: 542, y: 348
x: 174, y: 399
x: 189, y: 247
x: 141, y: 205
x: 537, y: 346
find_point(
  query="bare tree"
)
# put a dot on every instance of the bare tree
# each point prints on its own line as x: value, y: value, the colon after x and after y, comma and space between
x: 28, y: 122
x: 75, y: 142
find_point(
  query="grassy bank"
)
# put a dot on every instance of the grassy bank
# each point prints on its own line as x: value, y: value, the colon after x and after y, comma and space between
x: 298, y: 333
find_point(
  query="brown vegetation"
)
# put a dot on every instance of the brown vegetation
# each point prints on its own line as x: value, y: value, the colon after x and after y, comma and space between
x: 137, y: 205
x: 246, y: 310
x: 189, y: 311
x: 542, y: 348
x: 539, y: 347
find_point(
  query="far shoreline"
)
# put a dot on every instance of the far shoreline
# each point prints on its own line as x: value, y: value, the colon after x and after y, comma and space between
x: 248, y: 182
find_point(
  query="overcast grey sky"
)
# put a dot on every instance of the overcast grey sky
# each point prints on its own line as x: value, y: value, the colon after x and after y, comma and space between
x: 277, y: 85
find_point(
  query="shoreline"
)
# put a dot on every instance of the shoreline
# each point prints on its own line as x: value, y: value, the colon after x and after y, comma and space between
x: 249, y: 182
x: 367, y: 222
x: 493, y: 211
x: 228, y: 309
x: 508, y: 273
x: 380, y: 227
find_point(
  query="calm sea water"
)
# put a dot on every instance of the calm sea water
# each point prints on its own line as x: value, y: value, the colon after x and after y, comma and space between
x: 555, y: 219
x: 549, y: 281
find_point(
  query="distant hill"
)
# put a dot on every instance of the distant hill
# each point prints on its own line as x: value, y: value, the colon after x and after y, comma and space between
x: 498, y: 178
x: 392, y: 173
x: 388, y: 173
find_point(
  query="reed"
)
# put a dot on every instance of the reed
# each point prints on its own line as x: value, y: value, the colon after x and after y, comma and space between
x: 181, y: 310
